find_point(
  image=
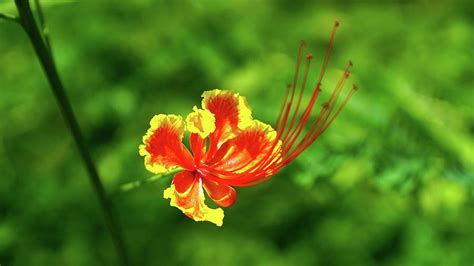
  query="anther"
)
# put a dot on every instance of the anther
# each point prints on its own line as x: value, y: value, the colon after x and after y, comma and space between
x: 309, y: 57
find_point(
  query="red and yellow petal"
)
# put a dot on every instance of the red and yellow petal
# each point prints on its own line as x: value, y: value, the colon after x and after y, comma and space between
x: 186, y: 193
x: 231, y: 113
x: 162, y: 146
x: 221, y: 194
x: 251, y: 147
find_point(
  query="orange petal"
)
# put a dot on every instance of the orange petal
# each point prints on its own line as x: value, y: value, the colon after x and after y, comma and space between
x: 231, y: 113
x: 186, y: 193
x: 162, y: 147
x: 249, y: 148
x: 183, y: 182
x: 221, y: 194
x: 198, y: 146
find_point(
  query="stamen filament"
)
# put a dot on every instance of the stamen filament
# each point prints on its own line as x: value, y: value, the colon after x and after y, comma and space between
x: 300, y: 97
x: 327, y: 109
x: 343, y: 104
x: 292, y: 89
x: 305, y: 116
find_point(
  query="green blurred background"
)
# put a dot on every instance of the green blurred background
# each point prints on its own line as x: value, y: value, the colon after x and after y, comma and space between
x: 390, y: 183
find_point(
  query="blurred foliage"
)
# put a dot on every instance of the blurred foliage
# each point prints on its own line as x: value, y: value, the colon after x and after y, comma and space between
x: 390, y: 183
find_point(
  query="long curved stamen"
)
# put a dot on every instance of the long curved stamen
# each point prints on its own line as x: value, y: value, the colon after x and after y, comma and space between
x: 256, y: 168
x: 281, y: 128
x: 334, y: 97
x: 324, y: 110
x: 254, y: 173
x: 288, y: 104
x: 303, y: 85
x: 290, y: 134
x: 305, y: 116
x: 321, y: 123
x: 328, y: 52
x: 225, y: 177
x: 349, y: 95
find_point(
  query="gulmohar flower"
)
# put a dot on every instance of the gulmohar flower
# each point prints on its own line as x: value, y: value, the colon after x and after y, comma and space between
x: 229, y: 148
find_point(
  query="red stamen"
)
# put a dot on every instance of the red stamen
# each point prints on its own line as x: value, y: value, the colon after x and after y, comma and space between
x: 305, y: 116
x: 327, y: 109
x: 292, y: 89
x: 343, y: 104
x: 317, y: 129
x: 328, y: 52
x: 290, y: 156
x: 300, y: 97
x: 281, y: 128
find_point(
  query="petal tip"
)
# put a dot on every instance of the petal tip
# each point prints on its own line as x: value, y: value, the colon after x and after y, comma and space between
x: 201, y: 121
x: 192, y: 205
x: 163, y: 129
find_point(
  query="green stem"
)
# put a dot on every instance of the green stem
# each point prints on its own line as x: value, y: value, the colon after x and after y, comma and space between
x: 49, y: 67
x: 9, y: 17
x: 42, y: 23
x: 136, y: 184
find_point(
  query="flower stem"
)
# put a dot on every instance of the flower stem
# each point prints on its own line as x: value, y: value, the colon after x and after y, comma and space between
x: 42, y: 23
x: 136, y: 184
x: 9, y: 17
x: 45, y: 57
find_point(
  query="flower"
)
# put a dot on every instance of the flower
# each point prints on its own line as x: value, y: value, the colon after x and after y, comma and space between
x: 229, y: 148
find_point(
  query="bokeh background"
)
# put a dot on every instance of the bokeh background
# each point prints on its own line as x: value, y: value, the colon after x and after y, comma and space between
x: 390, y: 183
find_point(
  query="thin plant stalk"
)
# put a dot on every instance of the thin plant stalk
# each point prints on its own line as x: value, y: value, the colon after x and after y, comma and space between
x: 139, y: 183
x: 9, y: 17
x: 27, y: 21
